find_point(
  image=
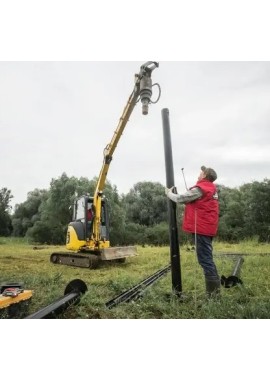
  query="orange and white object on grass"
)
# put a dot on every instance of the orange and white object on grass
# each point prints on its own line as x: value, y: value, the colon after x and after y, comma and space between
x: 14, y: 297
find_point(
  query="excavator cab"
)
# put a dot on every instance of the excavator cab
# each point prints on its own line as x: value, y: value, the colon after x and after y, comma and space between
x: 80, y: 229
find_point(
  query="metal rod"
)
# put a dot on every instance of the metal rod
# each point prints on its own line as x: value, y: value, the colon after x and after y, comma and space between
x: 174, y: 243
x: 234, y: 279
x: 236, y: 270
x: 136, y: 291
x: 184, y: 178
x: 233, y: 254
x: 73, y: 293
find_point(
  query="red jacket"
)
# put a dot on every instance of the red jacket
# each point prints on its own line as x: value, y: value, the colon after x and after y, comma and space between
x: 204, y: 210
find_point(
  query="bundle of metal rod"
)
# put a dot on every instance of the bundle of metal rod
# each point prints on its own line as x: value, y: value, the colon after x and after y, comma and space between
x: 137, y: 290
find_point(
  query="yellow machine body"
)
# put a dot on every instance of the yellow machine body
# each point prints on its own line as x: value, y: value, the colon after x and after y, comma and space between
x: 73, y: 243
x: 7, y: 301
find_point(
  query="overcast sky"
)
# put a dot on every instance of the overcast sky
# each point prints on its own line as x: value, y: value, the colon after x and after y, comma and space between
x: 57, y: 117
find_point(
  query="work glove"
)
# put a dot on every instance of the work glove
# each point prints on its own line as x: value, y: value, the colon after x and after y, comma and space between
x: 167, y: 190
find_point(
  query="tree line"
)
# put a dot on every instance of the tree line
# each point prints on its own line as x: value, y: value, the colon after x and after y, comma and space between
x: 138, y: 217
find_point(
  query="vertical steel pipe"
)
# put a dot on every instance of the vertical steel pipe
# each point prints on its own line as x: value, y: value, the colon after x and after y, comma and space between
x: 173, y: 231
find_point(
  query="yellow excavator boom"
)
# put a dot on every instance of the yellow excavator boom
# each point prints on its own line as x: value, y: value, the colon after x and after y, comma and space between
x: 142, y: 90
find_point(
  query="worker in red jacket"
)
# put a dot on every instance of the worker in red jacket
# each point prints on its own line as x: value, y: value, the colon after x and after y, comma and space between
x: 201, y: 220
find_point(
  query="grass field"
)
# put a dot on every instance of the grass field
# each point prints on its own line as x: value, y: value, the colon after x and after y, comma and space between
x: 20, y: 261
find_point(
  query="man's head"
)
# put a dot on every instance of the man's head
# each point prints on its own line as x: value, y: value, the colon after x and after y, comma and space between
x: 208, y: 173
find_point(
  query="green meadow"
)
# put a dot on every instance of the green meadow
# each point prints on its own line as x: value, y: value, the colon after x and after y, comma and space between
x: 21, y: 261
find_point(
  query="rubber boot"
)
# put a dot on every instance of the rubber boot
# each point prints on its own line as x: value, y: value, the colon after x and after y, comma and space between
x: 212, y: 285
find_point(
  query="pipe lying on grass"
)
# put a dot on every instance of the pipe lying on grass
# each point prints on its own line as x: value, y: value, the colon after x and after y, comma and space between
x: 72, y: 296
x: 137, y: 290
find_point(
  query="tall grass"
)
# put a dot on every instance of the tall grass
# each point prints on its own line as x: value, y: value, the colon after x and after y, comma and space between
x: 20, y: 261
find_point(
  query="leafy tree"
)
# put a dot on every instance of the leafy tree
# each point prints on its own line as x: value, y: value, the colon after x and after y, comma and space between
x: 146, y: 204
x: 158, y: 234
x: 232, y: 210
x: 134, y: 234
x: 116, y: 215
x: 28, y: 213
x: 56, y: 210
x: 257, y: 210
x: 5, y: 208
x: 46, y: 233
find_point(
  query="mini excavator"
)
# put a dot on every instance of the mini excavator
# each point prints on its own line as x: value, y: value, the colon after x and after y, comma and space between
x: 88, y: 232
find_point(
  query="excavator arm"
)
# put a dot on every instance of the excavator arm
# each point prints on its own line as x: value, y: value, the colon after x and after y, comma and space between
x: 142, y: 91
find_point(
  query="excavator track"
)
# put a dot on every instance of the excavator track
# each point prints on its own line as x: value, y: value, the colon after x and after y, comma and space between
x: 76, y: 260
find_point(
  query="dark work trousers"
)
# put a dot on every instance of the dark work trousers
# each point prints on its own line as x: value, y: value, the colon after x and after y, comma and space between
x: 205, y: 255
